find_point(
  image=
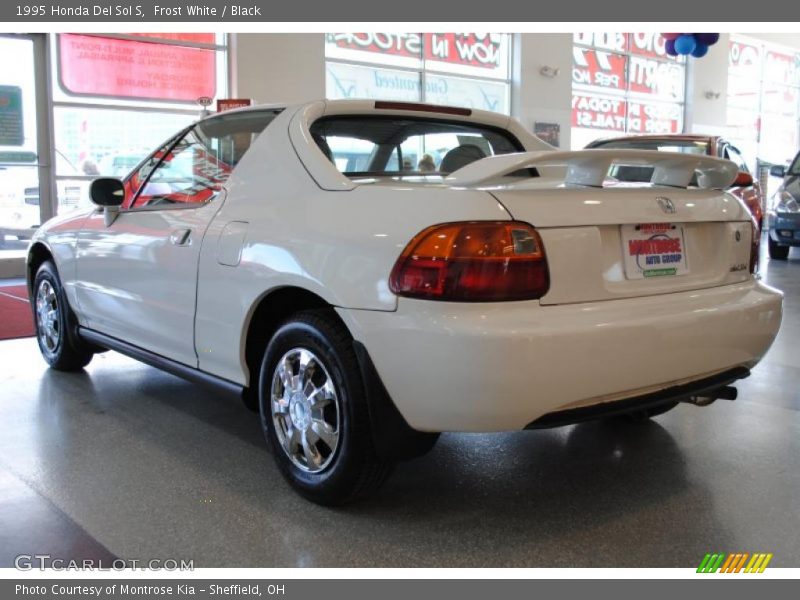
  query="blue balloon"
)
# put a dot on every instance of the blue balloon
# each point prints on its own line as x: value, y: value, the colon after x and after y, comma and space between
x: 708, y: 39
x: 700, y: 50
x: 685, y: 44
x: 669, y: 47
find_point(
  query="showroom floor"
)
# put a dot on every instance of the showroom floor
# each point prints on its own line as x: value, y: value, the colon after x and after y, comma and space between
x: 126, y: 461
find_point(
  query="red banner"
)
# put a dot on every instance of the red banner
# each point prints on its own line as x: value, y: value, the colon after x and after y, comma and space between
x: 614, y: 42
x: 648, y: 76
x: 782, y: 68
x: 651, y: 45
x: 598, y: 68
x: 743, y: 59
x: 192, y: 38
x: 473, y: 49
x: 598, y: 112
x: 654, y: 118
x: 97, y: 66
x: 477, y: 50
x: 224, y: 104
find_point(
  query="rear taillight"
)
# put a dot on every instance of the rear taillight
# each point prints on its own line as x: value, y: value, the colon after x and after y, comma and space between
x: 484, y: 261
x: 755, y: 247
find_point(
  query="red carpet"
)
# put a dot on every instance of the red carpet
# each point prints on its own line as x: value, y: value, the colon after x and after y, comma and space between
x: 16, y: 320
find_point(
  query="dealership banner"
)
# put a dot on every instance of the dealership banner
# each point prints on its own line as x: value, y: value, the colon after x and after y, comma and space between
x: 731, y: 587
x: 351, y: 11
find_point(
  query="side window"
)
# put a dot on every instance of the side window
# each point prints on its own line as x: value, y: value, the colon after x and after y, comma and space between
x: 190, y: 173
x: 138, y: 177
x: 736, y: 156
x: 193, y: 171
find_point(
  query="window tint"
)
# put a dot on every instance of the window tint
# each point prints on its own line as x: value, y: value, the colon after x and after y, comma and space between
x: 193, y: 170
x: 368, y: 145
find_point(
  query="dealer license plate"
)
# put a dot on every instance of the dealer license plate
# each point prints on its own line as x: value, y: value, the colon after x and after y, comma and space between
x: 654, y: 250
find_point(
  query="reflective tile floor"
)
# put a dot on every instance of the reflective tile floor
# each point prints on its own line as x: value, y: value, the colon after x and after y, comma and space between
x: 123, y: 460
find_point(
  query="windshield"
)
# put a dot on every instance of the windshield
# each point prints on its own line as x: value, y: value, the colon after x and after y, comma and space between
x: 375, y: 146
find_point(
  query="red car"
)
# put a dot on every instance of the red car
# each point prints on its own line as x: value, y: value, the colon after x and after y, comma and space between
x: 745, y: 186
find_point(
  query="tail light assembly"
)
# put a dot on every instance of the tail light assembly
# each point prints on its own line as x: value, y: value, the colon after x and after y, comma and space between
x: 476, y: 261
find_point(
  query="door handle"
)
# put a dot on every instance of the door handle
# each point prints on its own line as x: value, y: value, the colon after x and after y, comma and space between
x: 180, y: 237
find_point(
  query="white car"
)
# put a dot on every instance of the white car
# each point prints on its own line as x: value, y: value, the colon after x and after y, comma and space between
x: 364, y: 312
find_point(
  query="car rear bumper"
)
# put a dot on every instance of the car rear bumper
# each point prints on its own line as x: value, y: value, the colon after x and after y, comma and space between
x: 494, y: 367
x: 784, y: 228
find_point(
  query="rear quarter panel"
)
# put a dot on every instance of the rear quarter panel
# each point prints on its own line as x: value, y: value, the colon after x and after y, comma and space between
x: 340, y: 245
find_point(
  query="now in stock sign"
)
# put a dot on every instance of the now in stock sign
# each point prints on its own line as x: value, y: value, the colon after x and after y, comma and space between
x: 720, y: 562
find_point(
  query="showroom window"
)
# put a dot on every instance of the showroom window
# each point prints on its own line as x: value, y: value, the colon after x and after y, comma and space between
x: 624, y: 83
x: 455, y: 69
x: 763, y: 100
x: 143, y: 89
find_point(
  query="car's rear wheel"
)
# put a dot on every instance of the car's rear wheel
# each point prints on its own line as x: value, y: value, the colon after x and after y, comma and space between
x: 777, y: 251
x: 314, y: 411
x: 53, y: 320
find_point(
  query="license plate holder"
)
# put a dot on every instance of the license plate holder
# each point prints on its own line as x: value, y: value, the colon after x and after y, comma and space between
x: 654, y: 250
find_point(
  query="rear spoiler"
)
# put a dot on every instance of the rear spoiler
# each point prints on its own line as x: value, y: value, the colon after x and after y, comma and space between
x: 590, y: 167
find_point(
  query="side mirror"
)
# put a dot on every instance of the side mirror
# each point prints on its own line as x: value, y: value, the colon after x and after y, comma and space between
x: 777, y: 171
x: 108, y: 193
x: 743, y: 179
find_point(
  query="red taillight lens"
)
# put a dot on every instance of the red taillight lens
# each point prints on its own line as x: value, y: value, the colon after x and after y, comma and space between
x: 485, y: 261
x: 755, y: 248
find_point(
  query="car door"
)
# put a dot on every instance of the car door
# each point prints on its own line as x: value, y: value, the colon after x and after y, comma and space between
x: 137, y: 278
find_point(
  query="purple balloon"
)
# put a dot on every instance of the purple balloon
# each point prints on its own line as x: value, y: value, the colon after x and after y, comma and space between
x: 670, y: 36
x: 685, y: 44
x: 700, y: 50
x: 708, y: 39
x: 669, y: 47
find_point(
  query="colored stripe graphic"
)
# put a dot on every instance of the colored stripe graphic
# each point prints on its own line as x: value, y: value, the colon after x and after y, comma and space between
x: 734, y: 563
x: 703, y: 563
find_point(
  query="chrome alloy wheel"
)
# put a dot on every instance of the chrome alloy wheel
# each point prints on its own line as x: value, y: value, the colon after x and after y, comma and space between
x: 49, y: 325
x: 305, y: 410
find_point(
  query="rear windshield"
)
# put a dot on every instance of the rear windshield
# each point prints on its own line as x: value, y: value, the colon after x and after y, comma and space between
x: 375, y: 146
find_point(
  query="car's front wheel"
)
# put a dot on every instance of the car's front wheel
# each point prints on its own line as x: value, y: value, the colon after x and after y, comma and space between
x: 776, y: 251
x: 52, y: 320
x: 314, y: 411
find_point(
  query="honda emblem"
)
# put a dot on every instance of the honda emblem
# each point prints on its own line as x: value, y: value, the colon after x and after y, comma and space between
x: 667, y: 205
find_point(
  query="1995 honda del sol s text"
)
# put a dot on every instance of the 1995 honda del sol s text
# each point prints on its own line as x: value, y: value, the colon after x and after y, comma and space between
x: 368, y: 274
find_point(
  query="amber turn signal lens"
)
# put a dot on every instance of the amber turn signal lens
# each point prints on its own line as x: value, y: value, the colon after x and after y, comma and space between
x: 482, y: 261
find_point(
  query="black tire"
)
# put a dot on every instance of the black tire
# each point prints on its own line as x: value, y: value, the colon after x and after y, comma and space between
x: 64, y: 351
x: 776, y: 251
x: 640, y: 416
x: 351, y: 469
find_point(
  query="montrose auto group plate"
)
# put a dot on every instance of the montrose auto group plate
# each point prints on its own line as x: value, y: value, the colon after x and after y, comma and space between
x: 654, y: 250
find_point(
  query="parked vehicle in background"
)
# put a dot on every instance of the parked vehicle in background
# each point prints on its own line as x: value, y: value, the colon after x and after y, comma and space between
x: 746, y: 187
x: 19, y: 197
x: 783, y: 213
x: 363, y: 307
x: 119, y: 165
